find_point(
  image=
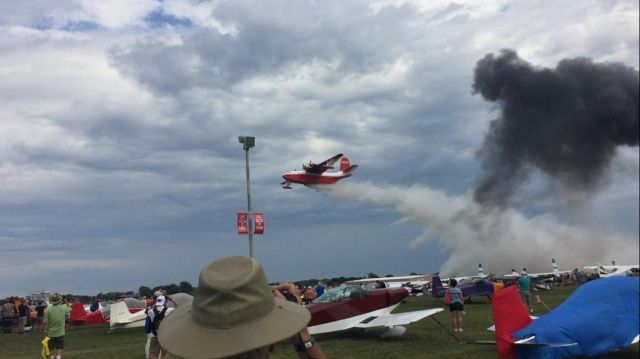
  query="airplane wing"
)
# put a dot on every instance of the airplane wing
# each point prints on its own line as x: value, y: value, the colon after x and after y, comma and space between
x: 400, y: 279
x: 322, y: 166
x: 391, y: 320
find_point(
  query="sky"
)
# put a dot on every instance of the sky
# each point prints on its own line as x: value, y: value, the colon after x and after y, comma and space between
x: 119, y: 121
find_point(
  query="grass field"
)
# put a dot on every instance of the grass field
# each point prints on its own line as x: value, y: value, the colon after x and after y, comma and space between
x: 423, y: 339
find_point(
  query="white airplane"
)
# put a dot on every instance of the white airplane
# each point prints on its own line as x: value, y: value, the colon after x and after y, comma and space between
x: 121, y: 316
x: 407, y: 282
x: 393, y: 281
x: 554, y: 273
x: 539, y: 278
x: 480, y: 275
x: 614, y: 269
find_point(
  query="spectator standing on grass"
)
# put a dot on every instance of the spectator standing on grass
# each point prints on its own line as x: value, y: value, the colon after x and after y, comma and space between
x: 40, y: 308
x: 155, y: 316
x: 456, y: 307
x: 23, y: 313
x: 235, y: 314
x: 54, y: 325
x: 524, y: 287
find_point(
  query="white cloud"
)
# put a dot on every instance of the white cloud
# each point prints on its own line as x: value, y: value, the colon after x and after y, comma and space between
x: 125, y: 130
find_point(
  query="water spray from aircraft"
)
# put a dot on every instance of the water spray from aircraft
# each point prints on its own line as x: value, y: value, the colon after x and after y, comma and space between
x: 566, y: 122
x: 500, y: 239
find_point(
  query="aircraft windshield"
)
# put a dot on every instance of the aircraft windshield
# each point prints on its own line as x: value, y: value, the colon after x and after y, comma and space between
x: 349, y: 292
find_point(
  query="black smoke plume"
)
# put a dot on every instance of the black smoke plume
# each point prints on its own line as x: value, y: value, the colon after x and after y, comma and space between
x: 566, y: 122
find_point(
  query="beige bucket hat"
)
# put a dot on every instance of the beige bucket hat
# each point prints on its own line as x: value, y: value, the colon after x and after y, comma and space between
x: 233, y: 311
x: 55, y: 298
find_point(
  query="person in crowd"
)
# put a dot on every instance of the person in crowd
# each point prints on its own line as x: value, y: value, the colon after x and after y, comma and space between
x: 235, y: 314
x: 54, y: 325
x: 23, y: 313
x: 155, y: 316
x: 456, y: 307
x: 524, y: 287
x: 309, y: 295
x: 40, y: 308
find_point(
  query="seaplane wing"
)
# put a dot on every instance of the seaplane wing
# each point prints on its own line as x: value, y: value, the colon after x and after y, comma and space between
x: 391, y: 320
x: 322, y: 166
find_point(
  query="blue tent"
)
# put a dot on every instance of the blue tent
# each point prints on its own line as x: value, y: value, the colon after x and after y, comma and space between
x: 600, y: 316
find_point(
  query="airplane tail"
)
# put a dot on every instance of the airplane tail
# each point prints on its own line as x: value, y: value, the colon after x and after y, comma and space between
x: 77, y: 313
x: 344, y: 164
x: 509, y: 315
x: 437, y: 289
x: 119, y: 313
x: 554, y: 264
x: 480, y: 270
x: 350, y: 170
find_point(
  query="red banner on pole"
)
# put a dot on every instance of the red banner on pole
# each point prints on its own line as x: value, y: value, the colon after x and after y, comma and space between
x: 242, y: 223
x: 258, y: 223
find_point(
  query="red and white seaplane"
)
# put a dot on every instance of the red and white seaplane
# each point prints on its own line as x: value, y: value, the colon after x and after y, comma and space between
x: 353, y: 306
x: 314, y: 174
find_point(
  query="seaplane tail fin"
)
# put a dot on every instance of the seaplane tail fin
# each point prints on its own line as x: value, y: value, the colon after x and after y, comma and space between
x: 510, y: 315
x: 344, y: 164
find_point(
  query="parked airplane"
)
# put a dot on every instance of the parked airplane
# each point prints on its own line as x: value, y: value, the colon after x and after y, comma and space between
x: 314, y: 174
x: 539, y: 276
x: 599, y: 317
x: 122, y: 316
x: 613, y: 270
x: 353, y: 306
x: 478, y: 287
x: 79, y: 316
x: 480, y: 275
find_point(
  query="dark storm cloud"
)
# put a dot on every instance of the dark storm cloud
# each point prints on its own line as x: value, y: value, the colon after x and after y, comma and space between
x: 566, y: 122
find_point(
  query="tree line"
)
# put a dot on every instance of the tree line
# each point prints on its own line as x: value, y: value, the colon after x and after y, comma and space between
x: 186, y: 287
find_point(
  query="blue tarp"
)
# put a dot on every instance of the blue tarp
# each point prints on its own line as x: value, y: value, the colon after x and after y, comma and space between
x: 602, y: 315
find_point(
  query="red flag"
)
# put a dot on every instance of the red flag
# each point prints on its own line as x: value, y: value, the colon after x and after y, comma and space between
x: 242, y: 223
x: 258, y: 223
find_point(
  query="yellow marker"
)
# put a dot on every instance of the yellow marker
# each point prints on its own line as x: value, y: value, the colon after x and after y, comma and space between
x: 45, y: 348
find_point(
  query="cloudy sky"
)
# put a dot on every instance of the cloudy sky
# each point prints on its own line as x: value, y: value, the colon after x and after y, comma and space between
x: 120, y: 164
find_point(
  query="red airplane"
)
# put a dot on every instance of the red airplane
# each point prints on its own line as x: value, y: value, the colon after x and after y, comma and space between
x: 79, y: 315
x: 352, y: 306
x: 314, y: 174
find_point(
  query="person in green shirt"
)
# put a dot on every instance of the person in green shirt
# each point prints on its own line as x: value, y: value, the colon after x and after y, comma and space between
x: 54, y: 325
x: 524, y: 287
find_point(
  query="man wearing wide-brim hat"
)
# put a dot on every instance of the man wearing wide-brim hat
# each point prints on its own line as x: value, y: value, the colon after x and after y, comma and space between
x: 235, y: 314
x: 54, y: 325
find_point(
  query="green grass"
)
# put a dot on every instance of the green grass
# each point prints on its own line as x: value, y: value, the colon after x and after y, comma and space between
x: 423, y: 339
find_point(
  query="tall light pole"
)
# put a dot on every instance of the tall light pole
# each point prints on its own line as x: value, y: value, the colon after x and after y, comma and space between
x: 247, y: 143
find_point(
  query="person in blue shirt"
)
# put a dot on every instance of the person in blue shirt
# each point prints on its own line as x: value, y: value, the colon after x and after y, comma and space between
x: 456, y: 307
